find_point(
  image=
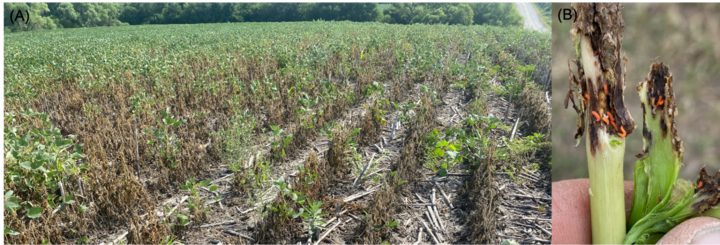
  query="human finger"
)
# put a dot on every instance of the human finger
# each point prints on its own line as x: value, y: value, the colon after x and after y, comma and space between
x: 701, y: 230
x: 571, y: 210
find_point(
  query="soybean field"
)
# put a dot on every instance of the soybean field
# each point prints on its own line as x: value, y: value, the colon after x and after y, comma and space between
x: 303, y: 132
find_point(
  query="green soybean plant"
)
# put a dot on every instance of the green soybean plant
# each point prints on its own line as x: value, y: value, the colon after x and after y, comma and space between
x: 441, y: 154
x: 39, y: 159
x: 195, y: 202
x: 170, y: 240
x: 167, y: 144
x: 180, y: 221
x: 312, y: 218
x: 280, y: 141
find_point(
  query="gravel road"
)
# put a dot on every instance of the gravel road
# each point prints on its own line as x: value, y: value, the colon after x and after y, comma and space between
x: 532, y: 21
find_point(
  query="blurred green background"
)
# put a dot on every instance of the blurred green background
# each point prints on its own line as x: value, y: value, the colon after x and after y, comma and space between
x: 684, y: 36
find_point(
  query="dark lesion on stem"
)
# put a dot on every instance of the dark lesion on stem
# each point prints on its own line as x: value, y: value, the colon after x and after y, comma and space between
x: 708, y: 188
x: 602, y: 105
x: 661, y: 105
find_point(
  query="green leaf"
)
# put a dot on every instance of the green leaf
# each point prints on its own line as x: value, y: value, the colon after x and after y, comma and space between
x: 439, y: 152
x: 11, y: 203
x: 205, y: 183
x: 441, y: 143
x: 452, y: 154
x: 401, y: 182
x: 301, y: 199
x: 391, y: 223
x: 34, y: 212
x: 11, y: 232
x: 213, y: 188
x: 36, y: 164
x: 26, y: 165
x: 442, y: 172
x: 60, y: 143
x: 68, y: 199
x: 508, y: 242
x: 8, y: 194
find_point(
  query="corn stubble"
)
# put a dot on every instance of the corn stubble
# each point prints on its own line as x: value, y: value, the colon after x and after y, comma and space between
x: 660, y: 201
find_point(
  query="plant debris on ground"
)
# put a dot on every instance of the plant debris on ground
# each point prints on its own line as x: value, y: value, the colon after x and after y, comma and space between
x: 309, y: 132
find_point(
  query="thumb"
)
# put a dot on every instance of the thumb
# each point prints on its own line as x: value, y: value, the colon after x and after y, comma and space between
x: 701, y: 230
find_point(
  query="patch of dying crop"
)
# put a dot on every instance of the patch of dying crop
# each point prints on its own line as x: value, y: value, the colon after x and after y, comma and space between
x: 483, y: 198
x: 536, y: 111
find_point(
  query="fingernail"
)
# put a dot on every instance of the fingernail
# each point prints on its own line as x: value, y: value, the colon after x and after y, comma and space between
x: 709, y: 236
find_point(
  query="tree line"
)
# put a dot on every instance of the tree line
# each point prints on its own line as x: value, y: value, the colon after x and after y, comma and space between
x: 74, y: 15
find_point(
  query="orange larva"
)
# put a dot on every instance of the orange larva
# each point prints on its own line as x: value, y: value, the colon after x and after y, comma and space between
x: 622, y: 132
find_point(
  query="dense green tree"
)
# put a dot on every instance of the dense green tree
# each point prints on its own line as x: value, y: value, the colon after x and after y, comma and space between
x: 7, y: 8
x: 399, y: 13
x: 496, y: 14
x: 267, y: 12
x: 171, y: 13
x: 429, y: 13
x: 71, y: 15
x: 38, y: 20
x: 66, y: 15
x: 360, y: 12
x: 437, y: 16
x: 462, y: 14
